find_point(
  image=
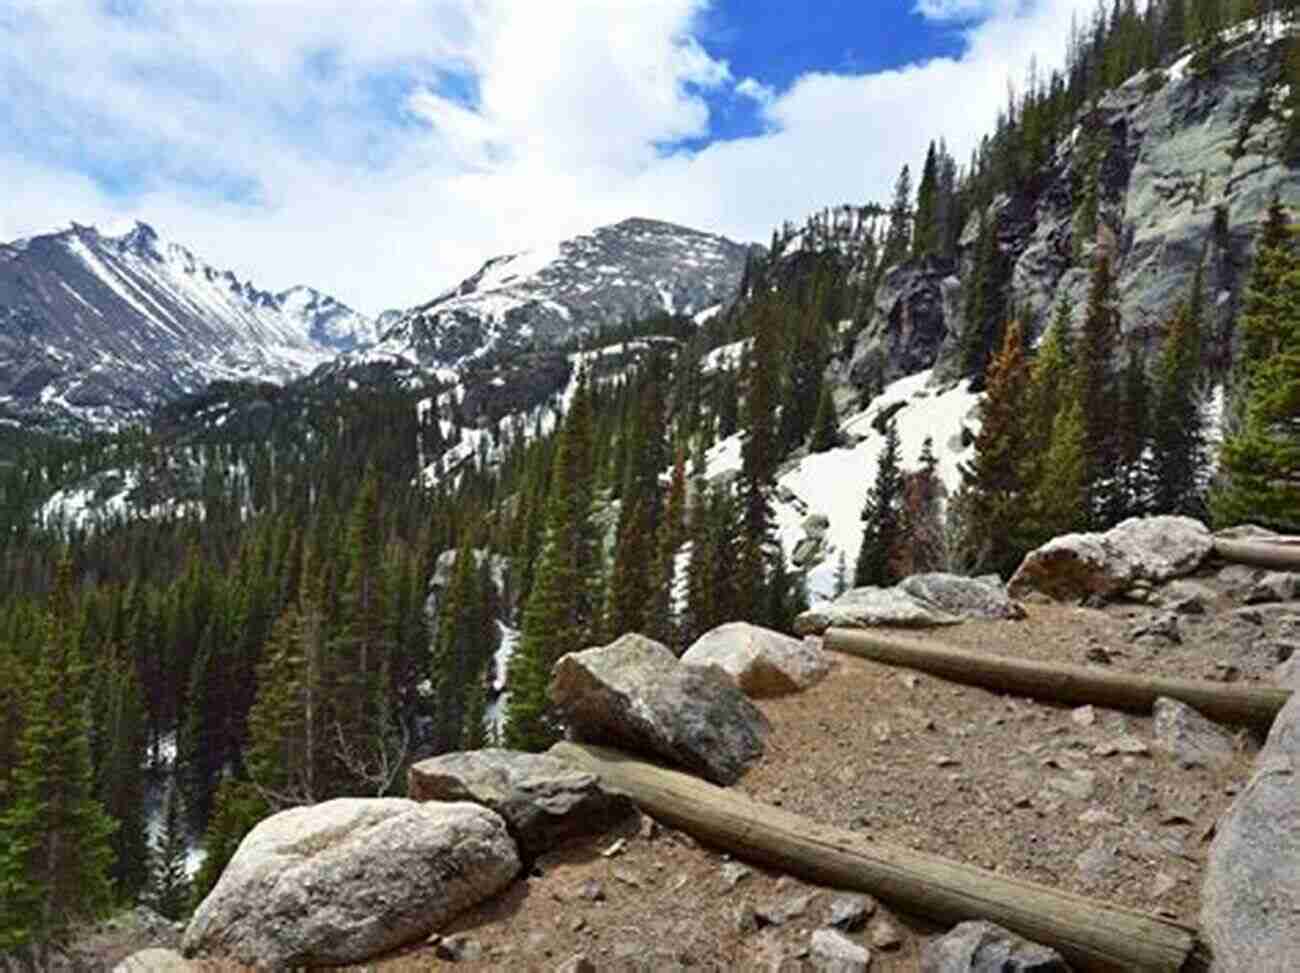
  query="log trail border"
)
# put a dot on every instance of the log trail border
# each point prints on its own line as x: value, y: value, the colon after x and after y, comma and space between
x: 1091, y: 935
x: 1252, y: 705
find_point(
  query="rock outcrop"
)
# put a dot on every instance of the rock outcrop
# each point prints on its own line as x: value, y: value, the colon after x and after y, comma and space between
x: 919, y: 601
x: 760, y: 661
x: 636, y: 694
x: 544, y: 801
x: 1250, y: 899
x: 348, y: 879
x: 1141, y: 549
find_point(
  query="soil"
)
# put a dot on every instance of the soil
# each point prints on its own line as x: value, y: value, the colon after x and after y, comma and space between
x: 1005, y: 783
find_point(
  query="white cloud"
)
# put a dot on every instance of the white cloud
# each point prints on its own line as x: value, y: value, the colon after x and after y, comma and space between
x: 956, y: 9
x: 561, y: 128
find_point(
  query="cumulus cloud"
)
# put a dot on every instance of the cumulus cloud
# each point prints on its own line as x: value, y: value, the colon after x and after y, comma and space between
x: 381, y: 153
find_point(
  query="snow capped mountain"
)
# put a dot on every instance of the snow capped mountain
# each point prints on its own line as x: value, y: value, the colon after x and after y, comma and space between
x: 102, y: 328
x: 545, y: 296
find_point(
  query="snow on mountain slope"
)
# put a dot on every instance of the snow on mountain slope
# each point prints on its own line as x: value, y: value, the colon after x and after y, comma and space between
x: 102, y: 328
x: 544, y: 297
x: 835, y: 483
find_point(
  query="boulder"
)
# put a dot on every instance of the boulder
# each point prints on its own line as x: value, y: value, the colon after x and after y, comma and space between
x: 760, y: 661
x: 962, y: 596
x: 544, y: 801
x: 871, y: 607
x: 1141, y: 549
x: 1250, y: 896
x: 348, y: 879
x: 1186, y: 597
x: 982, y: 947
x: 1191, y: 739
x: 636, y: 694
x: 155, y: 960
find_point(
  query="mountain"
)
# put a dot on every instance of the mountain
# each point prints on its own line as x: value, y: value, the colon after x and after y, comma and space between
x: 99, y: 329
x: 553, y: 294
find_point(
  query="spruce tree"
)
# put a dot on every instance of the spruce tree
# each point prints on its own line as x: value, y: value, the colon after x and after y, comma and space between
x: 899, y: 235
x: 662, y: 623
x: 170, y: 894
x: 1261, y: 452
x: 758, y: 459
x: 1097, y: 396
x: 118, y: 755
x: 882, y: 517
x: 1178, y: 437
x: 992, y: 485
x: 54, y: 835
x: 925, y: 235
x: 826, y: 430
x: 236, y: 811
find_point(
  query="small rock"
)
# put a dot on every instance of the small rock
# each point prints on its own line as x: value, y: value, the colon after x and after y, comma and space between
x: 1132, y: 746
x: 834, y: 952
x: 1251, y: 616
x: 884, y: 934
x: 1283, y: 649
x: 1191, y: 739
x: 745, y: 920
x: 850, y: 912
x: 647, y: 828
x: 627, y: 877
x: 1084, y: 716
x: 1178, y: 816
x: 576, y: 964
x: 1162, y: 628
x: 616, y: 848
x: 943, y: 760
x: 592, y: 891
x: 733, y: 873
x: 1097, y: 815
x: 1162, y: 885
x: 1099, y: 655
x: 1078, y: 784
x: 459, y: 948
x: 982, y: 947
x: 155, y: 960
x: 1274, y: 586
x: 777, y: 912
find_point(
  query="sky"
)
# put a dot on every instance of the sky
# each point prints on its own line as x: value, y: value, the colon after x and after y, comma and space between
x: 382, y: 151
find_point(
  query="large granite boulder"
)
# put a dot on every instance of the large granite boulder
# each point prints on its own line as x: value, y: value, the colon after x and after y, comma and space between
x: 871, y: 607
x: 1250, y: 896
x: 349, y: 879
x: 983, y: 947
x: 964, y: 597
x: 1146, y: 549
x: 544, y: 801
x: 760, y: 661
x: 634, y: 693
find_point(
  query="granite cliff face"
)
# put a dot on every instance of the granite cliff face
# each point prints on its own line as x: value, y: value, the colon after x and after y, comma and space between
x: 543, y: 298
x: 1188, y: 159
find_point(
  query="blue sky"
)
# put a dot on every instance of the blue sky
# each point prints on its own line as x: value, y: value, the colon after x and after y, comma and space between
x: 381, y: 153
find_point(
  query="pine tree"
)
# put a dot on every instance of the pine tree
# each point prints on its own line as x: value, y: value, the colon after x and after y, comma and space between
x: 984, y: 302
x: 898, y: 236
x: 1132, y: 497
x: 758, y: 459
x: 921, y: 547
x: 54, y: 836
x: 992, y: 492
x: 1097, y: 398
x: 882, y: 518
x: 662, y: 624
x: 170, y: 894
x: 1178, y: 437
x: 925, y: 236
x: 118, y: 752
x: 237, y: 809
x: 826, y: 431
x: 1260, y: 455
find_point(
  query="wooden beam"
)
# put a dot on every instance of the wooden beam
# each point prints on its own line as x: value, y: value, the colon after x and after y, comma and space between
x: 1090, y: 935
x: 1252, y: 705
x: 1282, y: 554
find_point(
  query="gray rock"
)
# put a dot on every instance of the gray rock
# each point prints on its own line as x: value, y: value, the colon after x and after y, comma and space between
x: 762, y: 662
x: 1274, y: 586
x: 733, y: 873
x: 850, y: 912
x: 982, y: 947
x: 459, y: 948
x: 1288, y: 674
x: 871, y: 607
x: 1191, y: 739
x: 962, y: 596
x: 576, y: 964
x: 1160, y: 629
x: 833, y: 952
x: 884, y: 934
x: 348, y: 879
x: 1075, y: 566
x: 155, y: 960
x: 1250, y: 896
x: 543, y: 800
x: 634, y: 693
x: 777, y: 912
x: 1183, y: 597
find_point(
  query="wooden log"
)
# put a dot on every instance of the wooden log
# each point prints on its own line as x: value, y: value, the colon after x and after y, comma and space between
x: 1090, y: 935
x: 1282, y: 554
x: 1252, y: 705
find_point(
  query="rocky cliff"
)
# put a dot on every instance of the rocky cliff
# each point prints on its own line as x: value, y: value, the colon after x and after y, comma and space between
x: 1188, y: 159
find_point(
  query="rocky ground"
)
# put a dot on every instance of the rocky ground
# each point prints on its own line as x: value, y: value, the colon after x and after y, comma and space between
x: 1117, y: 806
